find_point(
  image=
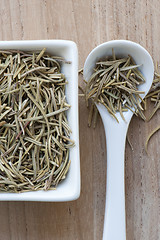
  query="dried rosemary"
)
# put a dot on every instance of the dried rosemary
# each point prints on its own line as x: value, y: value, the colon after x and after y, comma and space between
x: 34, y: 132
x: 115, y: 92
x: 149, y: 136
x: 154, y: 93
x: 154, y: 96
x: 114, y: 83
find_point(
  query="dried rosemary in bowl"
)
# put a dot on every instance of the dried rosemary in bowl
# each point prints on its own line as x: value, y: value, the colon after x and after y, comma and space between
x: 114, y: 83
x: 34, y: 131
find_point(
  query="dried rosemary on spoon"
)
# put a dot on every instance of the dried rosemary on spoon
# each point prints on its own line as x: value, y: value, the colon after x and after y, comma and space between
x: 114, y: 84
x: 34, y: 131
x: 130, y: 69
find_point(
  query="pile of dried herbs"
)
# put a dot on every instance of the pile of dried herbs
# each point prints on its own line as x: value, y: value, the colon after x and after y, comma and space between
x: 114, y: 84
x: 34, y: 132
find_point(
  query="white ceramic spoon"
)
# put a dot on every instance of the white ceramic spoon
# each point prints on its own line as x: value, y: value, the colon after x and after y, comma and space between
x: 114, y: 221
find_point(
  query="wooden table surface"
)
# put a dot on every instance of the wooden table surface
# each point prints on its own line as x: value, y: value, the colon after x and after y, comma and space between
x: 90, y: 23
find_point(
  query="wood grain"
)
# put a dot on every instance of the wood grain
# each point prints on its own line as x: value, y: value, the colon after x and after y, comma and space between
x: 90, y: 23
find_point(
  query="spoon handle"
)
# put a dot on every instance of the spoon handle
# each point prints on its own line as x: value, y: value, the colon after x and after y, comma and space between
x: 114, y: 221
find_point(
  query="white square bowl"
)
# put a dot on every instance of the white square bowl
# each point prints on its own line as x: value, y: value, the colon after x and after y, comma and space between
x: 68, y: 189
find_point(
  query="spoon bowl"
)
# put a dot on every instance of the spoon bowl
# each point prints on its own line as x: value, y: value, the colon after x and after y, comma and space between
x: 114, y: 220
